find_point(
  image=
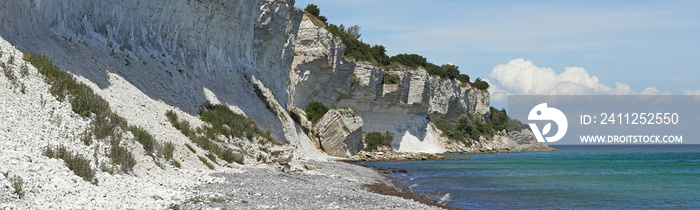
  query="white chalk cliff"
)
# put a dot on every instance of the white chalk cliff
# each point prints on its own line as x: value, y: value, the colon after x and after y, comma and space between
x: 187, y: 53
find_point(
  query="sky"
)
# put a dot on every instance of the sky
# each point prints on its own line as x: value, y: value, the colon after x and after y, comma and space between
x: 541, y: 47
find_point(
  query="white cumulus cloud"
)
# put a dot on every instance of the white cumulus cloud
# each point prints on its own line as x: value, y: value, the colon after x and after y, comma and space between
x: 520, y: 76
x: 691, y: 92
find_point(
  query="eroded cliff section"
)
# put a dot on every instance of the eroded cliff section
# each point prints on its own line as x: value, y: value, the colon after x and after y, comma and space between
x: 321, y: 73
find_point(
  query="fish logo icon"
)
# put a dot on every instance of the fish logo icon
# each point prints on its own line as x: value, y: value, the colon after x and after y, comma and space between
x: 542, y: 112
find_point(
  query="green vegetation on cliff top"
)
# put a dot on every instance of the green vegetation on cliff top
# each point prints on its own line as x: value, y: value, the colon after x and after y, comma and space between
x: 376, y: 54
x: 467, y: 128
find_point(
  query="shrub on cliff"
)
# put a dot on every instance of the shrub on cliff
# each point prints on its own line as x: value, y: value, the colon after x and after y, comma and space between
x: 312, y: 9
x: 410, y: 60
x: 74, y: 161
x: 375, y: 139
x: 355, y: 48
x: 315, y: 111
x: 376, y: 54
x: 499, y: 121
x: 391, y: 79
x: 480, y: 84
x: 450, y: 130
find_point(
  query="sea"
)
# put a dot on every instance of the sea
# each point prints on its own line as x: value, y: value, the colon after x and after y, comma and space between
x: 576, y: 176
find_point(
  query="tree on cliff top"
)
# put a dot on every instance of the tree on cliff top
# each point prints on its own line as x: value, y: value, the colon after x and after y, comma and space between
x: 315, y: 11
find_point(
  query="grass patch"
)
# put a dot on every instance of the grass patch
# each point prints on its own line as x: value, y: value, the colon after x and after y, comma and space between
x: 86, y: 137
x: 218, y: 200
x: 9, y: 74
x: 195, y: 200
x: 190, y: 148
x: 315, y: 20
x: 75, y: 162
x: 86, y: 103
x: 11, y: 60
x: 222, y: 121
x: 174, y: 206
x: 24, y: 70
x: 177, y: 163
x: 227, y: 123
x: 206, y: 162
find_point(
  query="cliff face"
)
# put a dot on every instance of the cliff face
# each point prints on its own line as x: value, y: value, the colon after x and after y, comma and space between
x: 184, y: 53
x: 319, y: 72
x: 190, y: 52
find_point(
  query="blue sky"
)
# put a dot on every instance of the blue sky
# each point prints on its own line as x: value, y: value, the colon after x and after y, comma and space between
x: 641, y: 45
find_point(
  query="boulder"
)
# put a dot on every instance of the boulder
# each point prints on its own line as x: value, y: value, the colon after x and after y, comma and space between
x: 340, y: 132
x: 281, y: 154
x: 238, y: 155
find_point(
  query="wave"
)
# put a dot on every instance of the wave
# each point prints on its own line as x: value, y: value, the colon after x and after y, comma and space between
x: 445, y: 198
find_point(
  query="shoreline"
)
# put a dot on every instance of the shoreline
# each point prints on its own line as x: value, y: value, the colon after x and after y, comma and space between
x: 400, y: 189
x: 383, y: 189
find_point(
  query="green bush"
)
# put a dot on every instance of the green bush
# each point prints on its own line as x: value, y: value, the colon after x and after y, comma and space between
x: 313, y: 10
x: 452, y: 131
x: 172, y: 116
x: 118, y: 155
x: 391, y: 79
x: 315, y: 111
x: 9, y: 74
x: 168, y: 150
x: 295, y: 116
x: 481, y: 85
x: 225, y: 122
x: 499, y: 121
x: 17, y: 183
x: 24, y: 70
x: 375, y: 139
x: 376, y: 54
x: 82, y: 98
x: 11, y: 60
x: 410, y: 60
x: 464, y: 79
x: 142, y: 136
x: 235, y: 124
x: 103, y: 127
x: 75, y: 162
x: 469, y: 127
x: 358, y: 50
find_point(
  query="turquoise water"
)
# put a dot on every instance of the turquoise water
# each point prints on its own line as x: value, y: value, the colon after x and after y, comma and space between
x: 628, y: 177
